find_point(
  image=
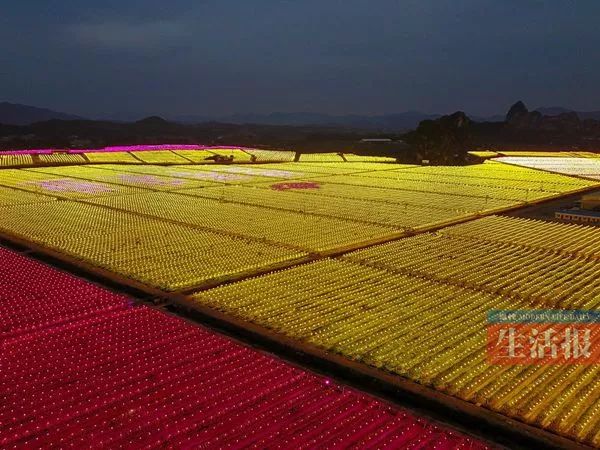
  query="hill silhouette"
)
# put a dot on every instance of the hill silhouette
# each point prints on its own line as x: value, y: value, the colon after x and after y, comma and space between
x: 17, y: 114
x: 435, y: 139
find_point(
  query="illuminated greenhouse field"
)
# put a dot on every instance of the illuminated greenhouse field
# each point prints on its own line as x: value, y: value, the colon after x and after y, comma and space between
x: 210, y: 175
x: 141, y: 247
x: 123, y: 178
x: 156, y: 154
x: 417, y: 307
x: 60, y: 187
x: 279, y: 212
x: 389, y: 267
x: 131, y: 376
x: 582, y: 167
x: 10, y: 196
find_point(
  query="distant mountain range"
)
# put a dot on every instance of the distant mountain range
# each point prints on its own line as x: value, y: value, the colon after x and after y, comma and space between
x: 388, y: 122
x: 16, y: 114
x: 556, y: 110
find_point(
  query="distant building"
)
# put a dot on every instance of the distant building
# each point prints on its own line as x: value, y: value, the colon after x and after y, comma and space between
x: 578, y: 215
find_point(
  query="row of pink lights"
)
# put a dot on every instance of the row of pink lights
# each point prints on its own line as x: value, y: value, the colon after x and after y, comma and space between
x: 121, y: 148
x: 82, y: 367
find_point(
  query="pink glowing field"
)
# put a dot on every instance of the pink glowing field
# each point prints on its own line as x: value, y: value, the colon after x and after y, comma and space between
x: 81, y: 367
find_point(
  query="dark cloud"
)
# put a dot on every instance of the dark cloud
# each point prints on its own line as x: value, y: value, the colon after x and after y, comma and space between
x: 216, y: 57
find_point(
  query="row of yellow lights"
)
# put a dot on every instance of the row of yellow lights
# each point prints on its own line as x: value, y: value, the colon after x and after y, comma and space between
x: 571, y: 239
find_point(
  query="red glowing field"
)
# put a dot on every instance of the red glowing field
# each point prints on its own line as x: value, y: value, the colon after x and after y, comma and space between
x: 81, y: 367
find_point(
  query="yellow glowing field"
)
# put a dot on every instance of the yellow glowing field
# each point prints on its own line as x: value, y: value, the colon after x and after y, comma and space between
x: 569, y: 239
x: 520, y: 189
x: 208, y: 175
x: 411, y: 176
x: 10, y: 196
x: 482, y: 191
x: 486, y: 175
x: 549, y: 279
x: 288, y: 171
x: 281, y: 170
x: 123, y: 177
x: 321, y: 157
x: 428, y: 331
x: 271, y: 155
x: 15, y: 160
x: 298, y: 169
x: 496, y: 170
x: 62, y: 158
x: 243, y: 173
x: 160, y: 157
x: 160, y: 254
x: 399, y: 197
x: 253, y: 172
x: 111, y: 158
x: 581, y: 167
x: 301, y: 231
x: 59, y: 186
x: 334, y: 168
x: 381, y: 213
x: 196, y: 156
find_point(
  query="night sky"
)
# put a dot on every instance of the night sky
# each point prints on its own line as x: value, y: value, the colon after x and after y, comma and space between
x: 217, y: 57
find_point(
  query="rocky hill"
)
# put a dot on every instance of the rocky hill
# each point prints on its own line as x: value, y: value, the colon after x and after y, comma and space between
x: 523, y: 128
